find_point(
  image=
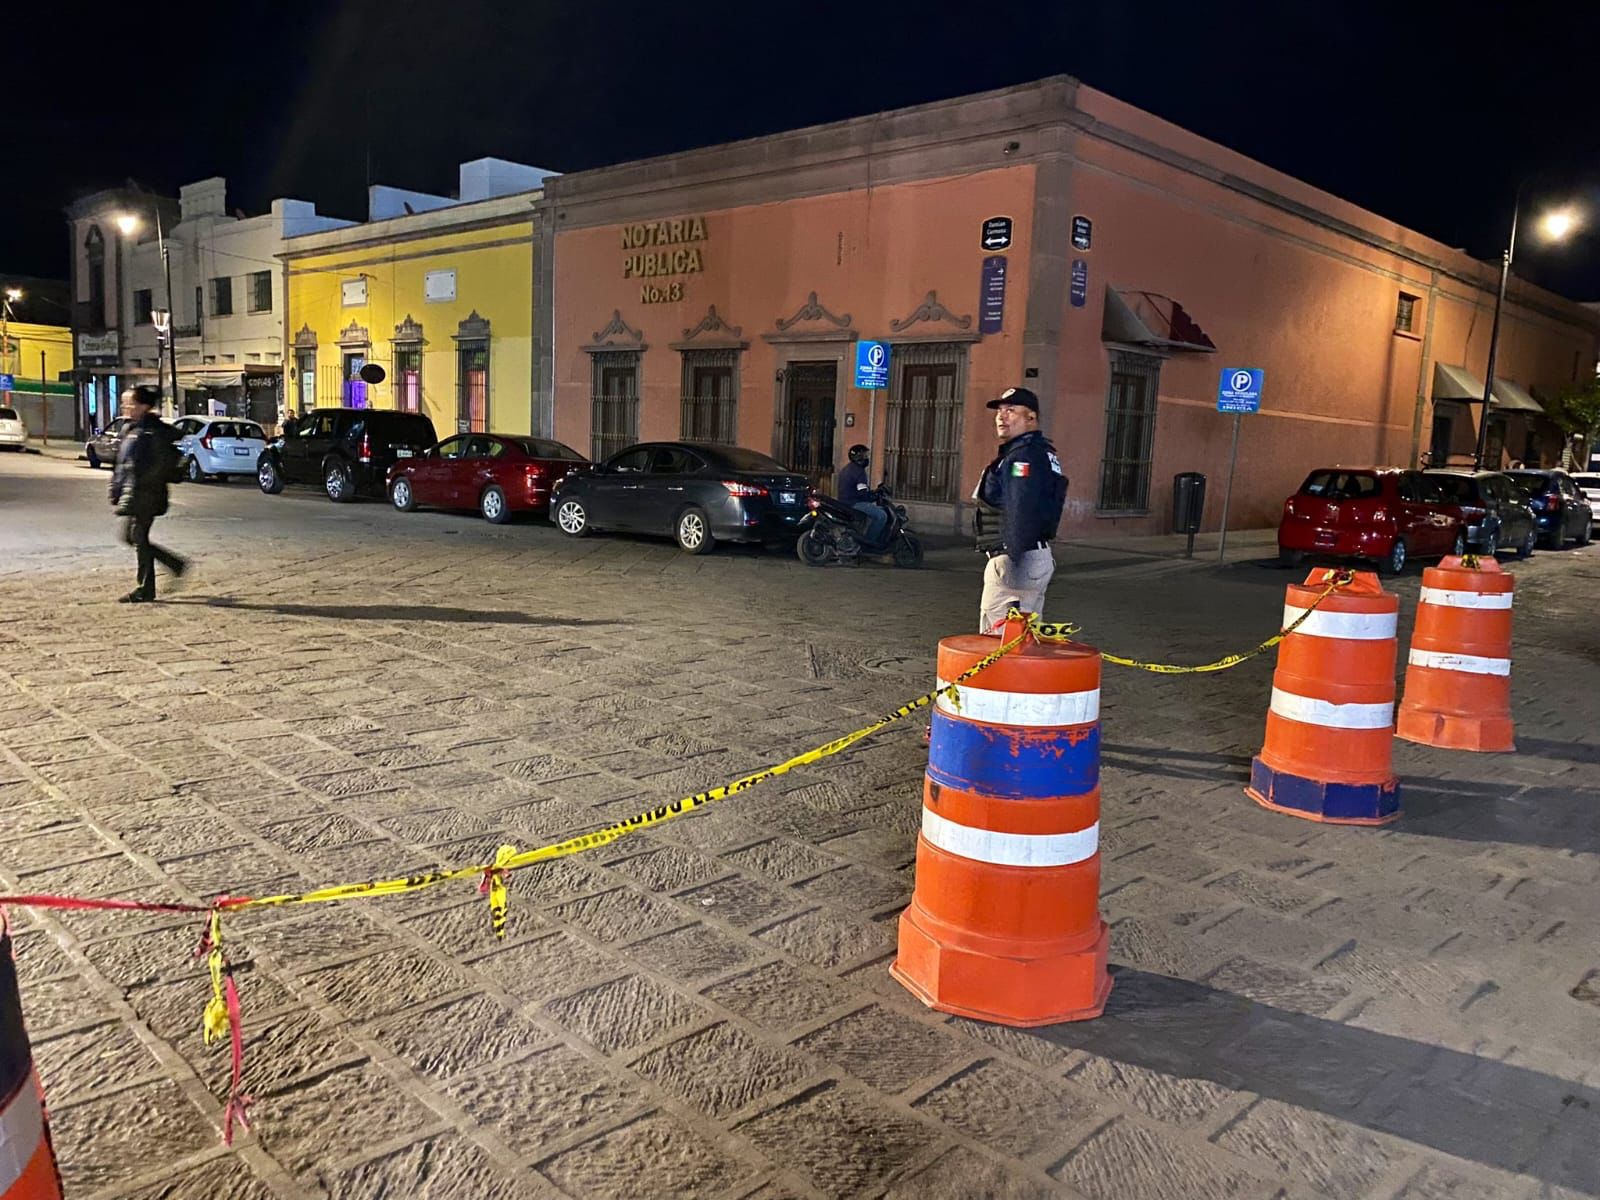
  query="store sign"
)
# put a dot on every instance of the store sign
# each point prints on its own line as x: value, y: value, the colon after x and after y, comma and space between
x: 98, y: 345
x: 663, y: 248
x: 992, y: 295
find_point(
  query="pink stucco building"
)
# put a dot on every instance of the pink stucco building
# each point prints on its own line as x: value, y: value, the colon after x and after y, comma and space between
x: 720, y: 294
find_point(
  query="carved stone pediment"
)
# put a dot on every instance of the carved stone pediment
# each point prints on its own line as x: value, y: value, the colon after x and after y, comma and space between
x: 354, y: 335
x: 306, y: 338
x: 408, y: 331
x: 618, y: 335
x: 473, y: 328
x: 931, y: 312
x: 713, y: 333
x: 812, y: 322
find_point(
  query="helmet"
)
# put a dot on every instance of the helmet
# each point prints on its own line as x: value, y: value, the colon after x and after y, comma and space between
x: 860, y: 454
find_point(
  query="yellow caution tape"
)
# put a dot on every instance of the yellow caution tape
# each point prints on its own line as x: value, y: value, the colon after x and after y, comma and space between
x: 1336, y: 580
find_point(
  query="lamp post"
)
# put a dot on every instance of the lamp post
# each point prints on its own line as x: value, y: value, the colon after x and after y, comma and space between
x: 1556, y: 226
x: 128, y: 223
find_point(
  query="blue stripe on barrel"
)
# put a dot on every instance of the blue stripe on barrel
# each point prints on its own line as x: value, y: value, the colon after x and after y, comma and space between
x: 1012, y: 762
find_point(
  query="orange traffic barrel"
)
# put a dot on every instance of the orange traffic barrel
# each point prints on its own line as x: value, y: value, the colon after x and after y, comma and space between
x: 27, y: 1162
x: 1328, y: 754
x: 1004, y: 923
x: 1458, y: 673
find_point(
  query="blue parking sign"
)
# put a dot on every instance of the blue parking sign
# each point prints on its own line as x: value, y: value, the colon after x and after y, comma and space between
x: 1239, y: 390
x: 872, y: 364
x: 8, y: 383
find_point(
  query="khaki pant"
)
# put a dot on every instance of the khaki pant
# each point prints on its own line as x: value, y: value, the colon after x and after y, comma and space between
x: 1007, y: 580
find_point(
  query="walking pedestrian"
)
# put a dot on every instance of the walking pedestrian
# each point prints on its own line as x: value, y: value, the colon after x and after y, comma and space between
x: 146, y: 464
x: 1019, y: 501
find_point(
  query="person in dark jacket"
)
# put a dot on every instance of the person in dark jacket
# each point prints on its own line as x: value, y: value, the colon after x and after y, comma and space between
x: 855, y: 491
x: 139, y: 486
x: 1019, y: 502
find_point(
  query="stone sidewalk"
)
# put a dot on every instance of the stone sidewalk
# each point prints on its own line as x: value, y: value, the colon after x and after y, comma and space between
x: 705, y: 1009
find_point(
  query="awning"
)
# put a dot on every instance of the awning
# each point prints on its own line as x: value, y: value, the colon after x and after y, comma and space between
x: 1148, y: 319
x: 1458, y: 383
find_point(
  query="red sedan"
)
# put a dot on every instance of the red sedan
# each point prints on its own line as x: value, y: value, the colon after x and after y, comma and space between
x: 497, y: 474
x: 1384, y: 514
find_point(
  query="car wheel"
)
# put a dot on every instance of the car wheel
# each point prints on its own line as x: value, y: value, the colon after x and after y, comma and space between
x: 192, y: 471
x: 337, y: 482
x: 572, y: 518
x: 94, y: 459
x: 402, y: 496
x: 1395, y: 561
x: 1585, y: 534
x: 907, y: 551
x: 493, y: 506
x: 1528, y: 543
x: 1290, y: 558
x: 1460, y: 546
x: 812, y: 548
x: 694, y: 532
x: 268, y: 478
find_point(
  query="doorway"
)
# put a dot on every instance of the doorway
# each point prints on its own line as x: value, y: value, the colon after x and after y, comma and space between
x: 807, y: 420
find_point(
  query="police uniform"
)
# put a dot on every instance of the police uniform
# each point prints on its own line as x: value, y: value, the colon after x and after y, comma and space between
x: 1019, y: 501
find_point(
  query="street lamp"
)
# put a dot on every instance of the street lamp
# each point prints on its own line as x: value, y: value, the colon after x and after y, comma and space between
x: 1554, y: 225
x: 128, y: 223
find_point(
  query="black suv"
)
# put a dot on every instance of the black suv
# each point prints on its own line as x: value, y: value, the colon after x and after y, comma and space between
x: 1561, y: 510
x: 348, y: 451
x: 1492, y: 510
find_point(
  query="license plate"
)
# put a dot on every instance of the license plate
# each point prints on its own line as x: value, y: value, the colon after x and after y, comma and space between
x: 401, y: 452
x: 241, y: 451
x: 786, y: 497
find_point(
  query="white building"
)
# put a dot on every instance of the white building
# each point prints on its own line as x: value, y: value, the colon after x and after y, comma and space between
x: 227, y: 298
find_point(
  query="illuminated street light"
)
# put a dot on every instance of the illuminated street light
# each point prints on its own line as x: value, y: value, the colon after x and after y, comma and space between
x: 127, y: 223
x: 1558, y: 223
x: 13, y: 294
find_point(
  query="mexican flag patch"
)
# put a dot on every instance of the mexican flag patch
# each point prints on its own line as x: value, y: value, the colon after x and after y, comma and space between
x: 1019, y: 468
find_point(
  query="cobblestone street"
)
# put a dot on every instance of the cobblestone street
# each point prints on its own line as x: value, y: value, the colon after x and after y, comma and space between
x: 705, y: 1009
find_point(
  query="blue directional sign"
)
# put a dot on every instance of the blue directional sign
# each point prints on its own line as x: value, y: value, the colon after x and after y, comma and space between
x: 872, y: 365
x: 1239, y: 390
x: 8, y: 383
x: 1079, y: 290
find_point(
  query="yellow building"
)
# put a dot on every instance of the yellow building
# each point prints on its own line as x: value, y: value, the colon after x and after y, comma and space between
x: 39, y: 360
x: 441, y: 299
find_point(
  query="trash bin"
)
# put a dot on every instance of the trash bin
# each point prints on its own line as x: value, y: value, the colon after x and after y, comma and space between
x: 1188, y: 504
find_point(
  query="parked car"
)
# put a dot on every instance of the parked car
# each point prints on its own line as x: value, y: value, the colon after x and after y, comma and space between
x: 695, y: 492
x: 1492, y: 508
x: 1560, y: 510
x: 497, y: 474
x: 102, y: 447
x: 13, y: 433
x: 218, y: 447
x: 1389, y: 515
x: 1588, y: 482
x: 348, y: 451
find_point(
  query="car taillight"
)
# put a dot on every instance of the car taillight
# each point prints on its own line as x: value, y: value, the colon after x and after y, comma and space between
x: 1288, y: 507
x: 366, y: 447
x: 743, y: 489
x: 206, y: 441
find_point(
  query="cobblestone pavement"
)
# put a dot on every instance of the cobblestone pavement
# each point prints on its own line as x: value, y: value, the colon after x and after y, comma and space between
x: 705, y: 1009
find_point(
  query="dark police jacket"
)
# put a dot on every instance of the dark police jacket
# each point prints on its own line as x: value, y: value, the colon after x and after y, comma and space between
x: 1023, y: 490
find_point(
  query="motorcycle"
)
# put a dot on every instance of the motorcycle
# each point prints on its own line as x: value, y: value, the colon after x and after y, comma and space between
x: 834, y: 531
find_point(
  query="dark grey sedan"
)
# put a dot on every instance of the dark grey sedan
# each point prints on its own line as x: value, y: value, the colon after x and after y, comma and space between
x: 695, y: 492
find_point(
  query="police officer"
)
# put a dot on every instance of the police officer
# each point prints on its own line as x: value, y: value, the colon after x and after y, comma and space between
x: 1019, y: 502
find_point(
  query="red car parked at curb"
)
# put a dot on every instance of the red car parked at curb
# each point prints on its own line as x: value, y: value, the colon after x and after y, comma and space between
x: 1387, y: 515
x: 497, y: 474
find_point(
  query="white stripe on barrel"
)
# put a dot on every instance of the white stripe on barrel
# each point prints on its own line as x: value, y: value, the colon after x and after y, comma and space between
x: 21, y: 1128
x: 1010, y: 849
x: 1310, y: 711
x: 1450, y: 598
x: 1473, y: 664
x: 1037, y: 709
x: 1356, y: 626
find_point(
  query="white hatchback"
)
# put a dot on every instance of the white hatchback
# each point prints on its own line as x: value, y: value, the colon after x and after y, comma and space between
x: 219, y: 446
x: 13, y: 433
x: 1589, y: 484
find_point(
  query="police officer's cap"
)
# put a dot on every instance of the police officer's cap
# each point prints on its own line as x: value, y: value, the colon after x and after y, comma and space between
x: 1021, y: 397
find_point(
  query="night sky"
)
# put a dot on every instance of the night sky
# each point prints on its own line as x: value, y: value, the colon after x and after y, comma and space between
x: 1425, y: 114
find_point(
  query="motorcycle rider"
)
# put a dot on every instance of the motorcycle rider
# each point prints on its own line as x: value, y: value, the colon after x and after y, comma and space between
x: 855, y: 491
x: 1019, y: 501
